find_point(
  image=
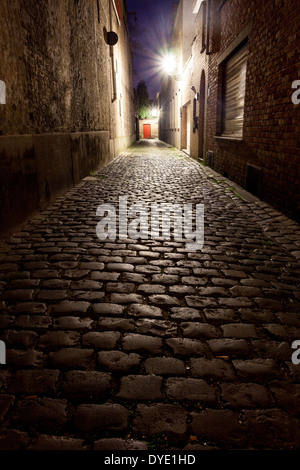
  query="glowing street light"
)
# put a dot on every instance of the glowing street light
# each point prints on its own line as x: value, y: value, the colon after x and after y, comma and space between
x: 154, y: 112
x: 170, y: 64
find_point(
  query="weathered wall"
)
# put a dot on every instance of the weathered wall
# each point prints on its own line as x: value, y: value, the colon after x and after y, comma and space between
x: 55, y: 66
x: 122, y: 117
x: 59, y: 122
x: 198, y: 79
x: 177, y: 95
x: 271, y: 121
x: 270, y: 138
x: 164, y: 124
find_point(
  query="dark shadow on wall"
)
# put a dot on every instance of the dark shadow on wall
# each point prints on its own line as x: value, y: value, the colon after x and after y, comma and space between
x: 37, y: 169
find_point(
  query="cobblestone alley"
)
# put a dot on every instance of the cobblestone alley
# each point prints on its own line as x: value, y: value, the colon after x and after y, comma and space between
x: 141, y: 344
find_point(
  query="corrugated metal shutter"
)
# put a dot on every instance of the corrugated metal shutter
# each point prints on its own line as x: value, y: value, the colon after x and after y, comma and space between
x: 234, y: 94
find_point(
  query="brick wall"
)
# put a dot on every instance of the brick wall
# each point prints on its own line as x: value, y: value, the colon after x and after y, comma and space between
x: 199, y: 69
x: 271, y: 121
x: 270, y: 138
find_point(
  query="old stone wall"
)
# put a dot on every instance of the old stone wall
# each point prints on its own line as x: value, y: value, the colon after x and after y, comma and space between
x: 59, y: 121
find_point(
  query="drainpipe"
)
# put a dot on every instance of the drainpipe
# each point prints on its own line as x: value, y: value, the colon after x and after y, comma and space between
x: 112, y: 57
x: 208, y: 28
x: 207, y: 82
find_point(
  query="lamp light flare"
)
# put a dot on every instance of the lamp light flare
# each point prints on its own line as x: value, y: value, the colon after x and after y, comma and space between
x: 170, y: 64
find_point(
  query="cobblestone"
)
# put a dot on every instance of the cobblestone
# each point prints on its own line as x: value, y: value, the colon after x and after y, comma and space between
x: 161, y: 328
x: 43, y: 414
x: 211, y: 424
x: 142, y: 343
x: 86, y: 384
x: 199, y: 330
x: 141, y: 387
x: 70, y: 307
x: 190, y: 390
x: 186, y: 347
x: 148, y: 311
x: 101, y: 340
x: 165, y: 366
x: 48, y: 443
x: 155, y: 419
x: 126, y: 298
x: 246, y: 396
x: 120, y: 444
x: 93, y: 418
x: 126, y: 344
x: 215, y: 368
x: 262, y: 370
x: 33, y: 382
x: 118, y: 361
x: 230, y: 347
x: 69, y: 358
x: 58, y: 339
x: 72, y: 323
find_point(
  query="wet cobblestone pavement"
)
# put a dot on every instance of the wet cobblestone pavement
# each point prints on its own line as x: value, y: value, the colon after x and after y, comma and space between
x: 141, y: 344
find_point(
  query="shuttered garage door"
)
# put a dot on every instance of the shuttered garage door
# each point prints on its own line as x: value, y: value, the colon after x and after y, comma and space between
x: 234, y: 93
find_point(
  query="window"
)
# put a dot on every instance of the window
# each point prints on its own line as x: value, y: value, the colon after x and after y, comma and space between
x: 234, y: 84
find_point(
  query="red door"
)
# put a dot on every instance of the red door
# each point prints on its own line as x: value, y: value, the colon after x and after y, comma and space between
x: 147, y: 131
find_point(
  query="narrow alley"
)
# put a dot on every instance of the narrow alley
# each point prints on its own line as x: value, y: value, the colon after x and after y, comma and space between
x: 132, y: 344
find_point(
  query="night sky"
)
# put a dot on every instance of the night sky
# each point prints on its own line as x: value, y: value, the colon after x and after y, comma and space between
x: 150, y: 35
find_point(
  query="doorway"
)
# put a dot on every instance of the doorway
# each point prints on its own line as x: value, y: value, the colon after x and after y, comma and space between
x: 201, y: 117
x: 147, y: 131
x: 186, y: 128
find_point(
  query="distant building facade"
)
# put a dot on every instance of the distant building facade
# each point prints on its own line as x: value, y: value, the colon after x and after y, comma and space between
x: 148, y: 128
x: 229, y: 103
x: 67, y: 103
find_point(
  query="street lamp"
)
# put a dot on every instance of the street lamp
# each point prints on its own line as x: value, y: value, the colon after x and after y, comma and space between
x: 170, y: 65
x: 154, y: 112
